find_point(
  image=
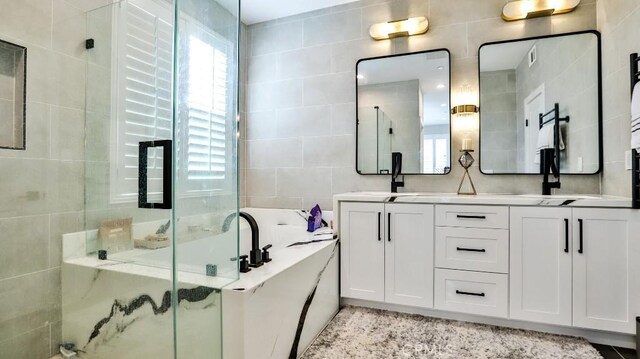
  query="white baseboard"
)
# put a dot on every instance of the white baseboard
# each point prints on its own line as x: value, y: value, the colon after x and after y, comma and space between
x: 593, y: 336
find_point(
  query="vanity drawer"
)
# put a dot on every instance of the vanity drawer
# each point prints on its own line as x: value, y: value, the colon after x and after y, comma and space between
x: 472, y: 216
x: 485, y: 250
x: 471, y: 292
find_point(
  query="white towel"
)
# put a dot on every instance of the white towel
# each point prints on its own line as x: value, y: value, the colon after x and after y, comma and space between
x: 635, y: 117
x: 546, y: 137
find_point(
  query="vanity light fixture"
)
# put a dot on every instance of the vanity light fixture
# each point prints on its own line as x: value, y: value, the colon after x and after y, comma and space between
x: 464, y: 110
x: 399, y: 28
x: 527, y: 9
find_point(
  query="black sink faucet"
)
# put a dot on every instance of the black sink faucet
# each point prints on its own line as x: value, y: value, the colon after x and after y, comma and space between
x: 255, y: 256
x: 548, y: 159
x: 396, y: 170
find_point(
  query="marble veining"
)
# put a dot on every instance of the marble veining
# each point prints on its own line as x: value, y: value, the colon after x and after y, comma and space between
x: 191, y: 295
x: 305, y: 308
x: 488, y: 199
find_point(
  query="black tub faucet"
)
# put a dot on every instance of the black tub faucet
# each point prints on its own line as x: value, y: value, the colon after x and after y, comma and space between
x: 255, y: 256
x: 396, y: 170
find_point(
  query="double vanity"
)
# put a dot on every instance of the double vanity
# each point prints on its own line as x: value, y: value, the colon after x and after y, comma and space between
x: 568, y: 263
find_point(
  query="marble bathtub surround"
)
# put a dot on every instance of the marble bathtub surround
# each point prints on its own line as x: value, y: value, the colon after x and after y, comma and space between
x: 370, y: 333
x: 108, y: 305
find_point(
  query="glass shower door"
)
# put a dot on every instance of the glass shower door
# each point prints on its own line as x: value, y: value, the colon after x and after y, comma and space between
x: 161, y: 177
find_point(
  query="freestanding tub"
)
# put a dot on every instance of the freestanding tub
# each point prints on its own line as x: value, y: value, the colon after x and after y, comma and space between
x: 122, y: 309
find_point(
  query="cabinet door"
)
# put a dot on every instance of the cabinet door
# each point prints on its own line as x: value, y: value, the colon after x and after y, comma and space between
x: 540, y: 268
x: 362, y: 250
x: 409, y: 254
x: 605, y: 275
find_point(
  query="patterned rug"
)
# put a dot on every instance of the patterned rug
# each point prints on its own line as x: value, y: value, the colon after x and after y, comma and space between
x: 369, y: 333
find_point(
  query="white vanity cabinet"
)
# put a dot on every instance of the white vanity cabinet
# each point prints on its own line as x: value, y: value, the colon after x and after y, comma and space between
x: 541, y: 265
x: 362, y: 251
x: 575, y: 267
x: 387, y: 253
x: 606, y: 269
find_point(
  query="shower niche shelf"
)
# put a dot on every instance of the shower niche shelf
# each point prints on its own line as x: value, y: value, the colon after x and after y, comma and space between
x: 13, y: 69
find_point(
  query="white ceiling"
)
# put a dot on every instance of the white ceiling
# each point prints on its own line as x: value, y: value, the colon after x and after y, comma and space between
x: 255, y: 11
x: 430, y: 69
x: 505, y: 56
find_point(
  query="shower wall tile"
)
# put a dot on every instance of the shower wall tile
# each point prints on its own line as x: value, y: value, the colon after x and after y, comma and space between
x: 25, y: 245
x: 67, y: 133
x: 322, y: 142
x: 29, y: 345
x: 69, y: 29
x: 42, y: 187
x: 27, y: 20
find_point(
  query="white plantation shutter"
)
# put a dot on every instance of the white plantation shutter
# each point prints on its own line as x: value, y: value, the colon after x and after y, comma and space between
x: 207, y: 102
x: 143, y: 90
x: 143, y: 85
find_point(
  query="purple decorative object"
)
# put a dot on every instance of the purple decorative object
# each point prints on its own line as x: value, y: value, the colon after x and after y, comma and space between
x: 315, y: 219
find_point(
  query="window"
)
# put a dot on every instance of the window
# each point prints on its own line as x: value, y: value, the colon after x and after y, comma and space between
x: 436, y: 153
x: 143, y: 89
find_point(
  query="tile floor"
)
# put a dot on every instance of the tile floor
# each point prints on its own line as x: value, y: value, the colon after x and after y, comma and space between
x: 610, y: 352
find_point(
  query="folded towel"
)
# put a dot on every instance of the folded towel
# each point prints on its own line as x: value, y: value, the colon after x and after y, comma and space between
x: 635, y: 117
x: 546, y: 137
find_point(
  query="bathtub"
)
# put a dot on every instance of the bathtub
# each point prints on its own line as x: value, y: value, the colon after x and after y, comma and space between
x: 115, y: 308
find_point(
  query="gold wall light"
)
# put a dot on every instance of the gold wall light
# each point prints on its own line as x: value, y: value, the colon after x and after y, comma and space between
x: 527, y: 9
x: 464, y: 110
x: 399, y: 28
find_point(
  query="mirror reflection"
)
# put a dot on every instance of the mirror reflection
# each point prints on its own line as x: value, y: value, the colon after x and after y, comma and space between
x: 403, y: 107
x: 540, y: 103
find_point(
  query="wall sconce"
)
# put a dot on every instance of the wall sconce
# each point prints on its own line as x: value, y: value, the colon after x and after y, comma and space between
x: 527, y: 9
x: 399, y: 28
x: 464, y: 110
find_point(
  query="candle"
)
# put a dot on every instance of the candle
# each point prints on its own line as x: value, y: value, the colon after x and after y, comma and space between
x: 467, y: 144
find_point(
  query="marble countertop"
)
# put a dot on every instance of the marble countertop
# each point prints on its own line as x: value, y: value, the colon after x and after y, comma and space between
x: 489, y: 199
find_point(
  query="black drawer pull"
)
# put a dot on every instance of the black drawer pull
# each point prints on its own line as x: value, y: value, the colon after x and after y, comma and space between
x: 389, y: 227
x: 379, y: 215
x: 470, y: 293
x: 470, y: 250
x: 566, y: 235
x: 464, y: 216
x: 581, y: 248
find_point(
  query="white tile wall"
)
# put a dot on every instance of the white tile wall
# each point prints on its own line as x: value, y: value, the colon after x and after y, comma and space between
x: 41, y: 189
x: 619, y: 23
x: 304, y: 134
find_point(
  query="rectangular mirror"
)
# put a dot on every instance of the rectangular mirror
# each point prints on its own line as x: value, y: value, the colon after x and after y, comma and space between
x: 13, y: 67
x: 403, y: 104
x: 522, y: 83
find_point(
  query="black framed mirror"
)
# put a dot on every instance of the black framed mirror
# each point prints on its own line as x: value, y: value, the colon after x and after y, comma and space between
x: 541, y: 93
x: 403, y: 106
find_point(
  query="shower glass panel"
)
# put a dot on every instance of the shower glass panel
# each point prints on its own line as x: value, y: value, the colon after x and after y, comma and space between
x: 384, y: 142
x: 206, y: 171
x: 161, y: 177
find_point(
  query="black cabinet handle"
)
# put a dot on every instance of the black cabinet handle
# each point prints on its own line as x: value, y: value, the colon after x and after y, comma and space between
x: 167, y: 163
x: 379, y: 220
x: 566, y: 235
x: 464, y: 216
x: 470, y: 249
x: 581, y: 248
x: 389, y: 227
x: 470, y: 293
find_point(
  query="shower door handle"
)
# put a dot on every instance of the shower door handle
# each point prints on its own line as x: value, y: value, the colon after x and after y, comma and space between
x: 167, y: 165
